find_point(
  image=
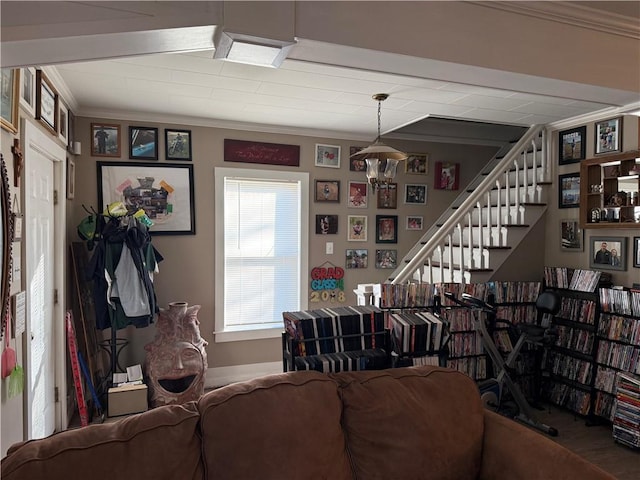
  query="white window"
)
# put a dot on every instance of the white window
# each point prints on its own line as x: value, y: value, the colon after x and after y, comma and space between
x: 262, y: 225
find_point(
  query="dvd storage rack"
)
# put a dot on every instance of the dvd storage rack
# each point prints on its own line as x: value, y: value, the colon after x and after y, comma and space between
x: 618, y: 344
x: 626, y: 413
x: 336, y: 339
x: 569, y: 366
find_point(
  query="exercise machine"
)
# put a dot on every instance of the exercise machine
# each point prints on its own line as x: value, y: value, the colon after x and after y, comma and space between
x: 538, y: 334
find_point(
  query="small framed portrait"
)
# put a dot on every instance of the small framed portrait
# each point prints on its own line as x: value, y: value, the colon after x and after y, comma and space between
x: 386, y: 229
x: 636, y: 252
x: 571, y: 236
x: 386, y: 258
x: 28, y: 89
x: 357, y: 228
x: 326, y: 224
x: 143, y: 143
x: 417, y: 164
x: 414, y: 222
x: 105, y: 140
x: 358, y: 194
x: 415, y: 194
x: 327, y: 155
x: 46, y: 102
x: 9, y: 96
x: 572, y: 145
x: 357, y: 258
x: 569, y: 190
x: 177, y: 144
x: 608, y: 136
x: 608, y: 253
x: 447, y: 176
x: 356, y: 165
x: 327, y: 191
x: 388, y: 195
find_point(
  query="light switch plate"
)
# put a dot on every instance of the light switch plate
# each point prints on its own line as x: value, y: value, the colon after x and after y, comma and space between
x: 329, y: 248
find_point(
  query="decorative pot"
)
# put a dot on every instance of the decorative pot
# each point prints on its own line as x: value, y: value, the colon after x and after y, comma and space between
x: 176, y: 359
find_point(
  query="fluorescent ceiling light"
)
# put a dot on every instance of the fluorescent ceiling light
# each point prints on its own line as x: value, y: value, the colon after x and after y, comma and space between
x: 251, y: 50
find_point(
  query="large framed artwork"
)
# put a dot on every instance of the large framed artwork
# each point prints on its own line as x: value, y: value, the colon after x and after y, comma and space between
x: 572, y: 145
x: 608, y: 253
x: 46, y: 103
x: 163, y: 191
x: 9, y: 94
x: 244, y: 151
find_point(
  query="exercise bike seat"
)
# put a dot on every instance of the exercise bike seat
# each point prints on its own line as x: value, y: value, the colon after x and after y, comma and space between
x: 548, y: 302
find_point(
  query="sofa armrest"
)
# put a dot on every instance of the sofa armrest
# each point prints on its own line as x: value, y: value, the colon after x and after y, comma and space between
x: 511, y: 450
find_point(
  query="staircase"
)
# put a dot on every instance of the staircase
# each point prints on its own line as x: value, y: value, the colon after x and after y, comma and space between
x: 474, y: 236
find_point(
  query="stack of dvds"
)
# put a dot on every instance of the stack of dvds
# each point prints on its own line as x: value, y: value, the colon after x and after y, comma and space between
x: 626, y: 417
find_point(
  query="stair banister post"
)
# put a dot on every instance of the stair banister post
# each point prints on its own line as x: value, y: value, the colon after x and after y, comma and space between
x: 535, y: 169
x: 525, y: 180
x: 499, y: 215
x: 480, y: 234
x: 515, y: 162
x: 507, y: 218
x: 489, y: 219
x: 450, y: 240
x: 544, y: 162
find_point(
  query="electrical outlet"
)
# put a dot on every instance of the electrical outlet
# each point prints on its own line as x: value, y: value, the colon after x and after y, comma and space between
x: 329, y: 248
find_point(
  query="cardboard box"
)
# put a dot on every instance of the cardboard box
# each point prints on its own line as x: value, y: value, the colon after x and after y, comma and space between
x: 127, y: 399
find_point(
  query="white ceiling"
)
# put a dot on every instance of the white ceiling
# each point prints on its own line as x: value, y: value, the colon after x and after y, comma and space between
x: 324, y: 89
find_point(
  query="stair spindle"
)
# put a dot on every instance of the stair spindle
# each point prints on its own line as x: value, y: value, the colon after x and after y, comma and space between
x: 507, y: 218
x: 480, y: 235
x: 517, y: 190
x: 489, y: 229
x: 499, y: 216
x: 459, y: 227
x: 450, y: 240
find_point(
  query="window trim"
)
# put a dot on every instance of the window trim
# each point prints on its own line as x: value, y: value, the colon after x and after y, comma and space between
x: 220, y: 173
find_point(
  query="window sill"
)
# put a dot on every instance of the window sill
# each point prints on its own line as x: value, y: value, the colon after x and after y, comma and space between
x: 242, y: 335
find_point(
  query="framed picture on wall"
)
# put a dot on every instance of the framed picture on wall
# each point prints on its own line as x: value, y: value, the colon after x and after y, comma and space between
x: 9, y: 95
x: 326, y: 224
x: 414, y: 222
x: 358, y: 194
x: 327, y: 156
x: 356, y: 165
x: 105, y: 140
x: 608, y: 136
x: 164, y: 191
x: 327, y: 191
x: 388, y: 195
x: 386, y: 258
x: 143, y: 143
x: 447, y: 176
x: 28, y: 89
x: 63, y: 123
x: 608, y: 253
x: 415, y: 194
x: 571, y: 236
x: 572, y: 145
x: 417, y: 164
x: 177, y: 144
x: 357, y: 228
x: 357, y: 258
x: 46, y: 103
x: 386, y: 229
x: 569, y: 190
x: 636, y: 252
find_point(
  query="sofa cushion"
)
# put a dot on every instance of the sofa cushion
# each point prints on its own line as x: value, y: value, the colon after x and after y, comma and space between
x: 412, y: 423
x: 275, y: 427
x: 155, y: 445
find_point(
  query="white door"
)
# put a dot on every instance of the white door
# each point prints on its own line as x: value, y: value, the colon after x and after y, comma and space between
x: 39, y: 278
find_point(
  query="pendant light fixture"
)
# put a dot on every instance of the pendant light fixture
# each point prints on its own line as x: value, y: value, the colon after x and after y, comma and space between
x: 382, y: 160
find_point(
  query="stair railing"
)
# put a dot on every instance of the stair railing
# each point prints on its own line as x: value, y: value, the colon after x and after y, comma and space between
x: 436, y: 239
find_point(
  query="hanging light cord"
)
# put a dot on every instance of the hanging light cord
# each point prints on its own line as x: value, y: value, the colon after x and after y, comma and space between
x: 379, y: 117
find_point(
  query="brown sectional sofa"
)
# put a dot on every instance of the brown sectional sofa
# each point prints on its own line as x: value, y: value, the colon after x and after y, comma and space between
x: 406, y: 423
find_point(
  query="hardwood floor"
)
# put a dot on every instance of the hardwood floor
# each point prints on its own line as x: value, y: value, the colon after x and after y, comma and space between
x: 594, y: 443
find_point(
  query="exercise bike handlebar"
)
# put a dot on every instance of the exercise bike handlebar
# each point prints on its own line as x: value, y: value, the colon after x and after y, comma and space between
x: 470, y: 302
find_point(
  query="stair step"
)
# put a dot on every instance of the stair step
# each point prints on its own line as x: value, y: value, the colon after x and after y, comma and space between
x: 522, y: 204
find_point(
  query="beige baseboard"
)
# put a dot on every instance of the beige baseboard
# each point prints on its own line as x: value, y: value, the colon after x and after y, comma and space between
x: 220, y: 376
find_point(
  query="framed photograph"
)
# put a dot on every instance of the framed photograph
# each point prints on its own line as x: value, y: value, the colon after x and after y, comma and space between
x: 71, y: 179
x: 386, y: 229
x: 9, y: 95
x: 636, y: 252
x: 358, y: 194
x: 572, y: 145
x: 415, y: 194
x: 447, y: 176
x: 164, y: 191
x: 386, y: 258
x: 388, y: 195
x: 177, y: 144
x: 143, y: 143
x: 608, y: 136
x: 608, y: 253
x: 327, y: 156
x: 326, y: 224
x: 243, y: 151
x: 357, y: 258
x: 569, y: 190
x: 71, y: 129
x: 105, y: 140
x: 46, y: 103
x: 571, y: 236
x: 356, y: 165
x: 63, y: 124
x: 417, y: 164
x: 357, y: 228
x: 414, y: 222
x: 28, y: 89
x: 327, y: 191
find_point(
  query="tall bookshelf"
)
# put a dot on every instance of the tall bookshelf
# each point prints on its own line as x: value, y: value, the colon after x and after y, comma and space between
x: 618, y: 344
x: 570, y: 364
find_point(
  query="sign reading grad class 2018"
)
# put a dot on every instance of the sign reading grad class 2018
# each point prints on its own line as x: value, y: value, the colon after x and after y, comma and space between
x: 327, y: 284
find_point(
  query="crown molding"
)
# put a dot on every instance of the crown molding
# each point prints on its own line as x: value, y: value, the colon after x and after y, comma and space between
x: 571, y: 13
x: 603, y: 114
x: 61, y: 86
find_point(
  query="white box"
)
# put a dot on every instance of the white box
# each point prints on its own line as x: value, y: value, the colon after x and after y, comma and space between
x: 127, y: 399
